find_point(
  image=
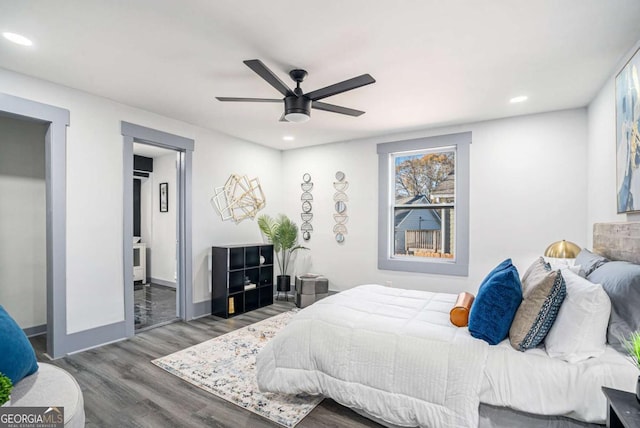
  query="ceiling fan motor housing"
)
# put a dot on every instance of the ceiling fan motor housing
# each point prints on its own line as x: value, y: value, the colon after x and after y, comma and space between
x: 298, y: 75
x: 293, y: 104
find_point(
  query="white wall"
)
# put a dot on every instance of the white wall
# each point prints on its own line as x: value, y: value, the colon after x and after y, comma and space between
x: 163, y: 224
x: 23, y: 221
x: 95, y: 286
x: 601, y: 160
x: 528, y: 190
x: 215, y: 166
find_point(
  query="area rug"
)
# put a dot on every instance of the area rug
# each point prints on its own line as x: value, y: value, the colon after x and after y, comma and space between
x: 226, y: 366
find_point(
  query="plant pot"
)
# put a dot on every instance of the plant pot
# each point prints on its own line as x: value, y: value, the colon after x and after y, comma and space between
x: 638, y: 390
x: 283, y: 283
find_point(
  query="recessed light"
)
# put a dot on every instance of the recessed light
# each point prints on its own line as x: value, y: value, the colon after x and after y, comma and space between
x: 17, y: 39
x: 518, y: 99
x: 288, y: 138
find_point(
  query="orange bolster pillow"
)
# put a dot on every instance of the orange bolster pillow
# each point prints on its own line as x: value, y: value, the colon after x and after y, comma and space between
x: 459, y: 315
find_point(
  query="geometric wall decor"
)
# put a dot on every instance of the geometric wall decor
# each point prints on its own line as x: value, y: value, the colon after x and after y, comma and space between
x: 340, y: 204
x: 239, y: 198
x: 306, y: 198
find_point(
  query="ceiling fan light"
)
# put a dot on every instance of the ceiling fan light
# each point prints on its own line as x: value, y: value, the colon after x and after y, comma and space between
x: 296, y: 117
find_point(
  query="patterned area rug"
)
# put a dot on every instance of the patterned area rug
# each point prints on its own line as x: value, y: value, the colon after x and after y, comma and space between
x: 226, y: 366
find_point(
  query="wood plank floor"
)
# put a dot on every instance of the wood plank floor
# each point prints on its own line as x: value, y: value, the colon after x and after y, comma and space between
x: 123, y: 389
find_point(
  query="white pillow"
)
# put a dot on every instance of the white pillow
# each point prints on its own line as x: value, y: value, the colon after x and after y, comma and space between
x: 557, y: 263
x: 563, y: 264
x: 580, y: 330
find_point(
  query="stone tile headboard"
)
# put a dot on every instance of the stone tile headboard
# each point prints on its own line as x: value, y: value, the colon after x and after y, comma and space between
x: 617, y: 241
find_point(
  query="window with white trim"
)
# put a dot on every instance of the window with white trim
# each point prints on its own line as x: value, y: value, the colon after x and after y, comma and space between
x: 423, y: 218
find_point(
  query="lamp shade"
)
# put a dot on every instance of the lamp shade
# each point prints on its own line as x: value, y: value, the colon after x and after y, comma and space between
x: 562, y: 250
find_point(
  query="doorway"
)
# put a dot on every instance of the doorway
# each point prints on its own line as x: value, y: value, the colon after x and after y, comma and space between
x: 155, y: 237
x: 182, y: 148
x: 23, y: 219
x: 55, y: 120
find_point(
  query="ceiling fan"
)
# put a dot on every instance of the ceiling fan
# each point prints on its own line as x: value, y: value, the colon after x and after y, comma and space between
x: 298, y: 105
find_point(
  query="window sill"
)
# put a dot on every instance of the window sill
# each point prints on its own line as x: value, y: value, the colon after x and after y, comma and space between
x: 437, y: 267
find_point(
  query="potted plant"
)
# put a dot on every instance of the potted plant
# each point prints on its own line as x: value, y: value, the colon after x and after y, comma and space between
x: 5, y: 389
x: 283, y: 234
x: 632, y: 345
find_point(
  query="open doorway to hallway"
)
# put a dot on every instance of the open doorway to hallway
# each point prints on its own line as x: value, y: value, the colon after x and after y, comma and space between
x: 155, y: 268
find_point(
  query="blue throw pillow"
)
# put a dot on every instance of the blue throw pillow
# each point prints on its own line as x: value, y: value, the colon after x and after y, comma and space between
x: 17, y: 358
x: 495, y: 305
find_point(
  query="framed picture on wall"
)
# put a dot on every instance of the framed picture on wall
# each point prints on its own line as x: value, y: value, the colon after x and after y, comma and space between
x: 164, y: 197
x: 628, y: 136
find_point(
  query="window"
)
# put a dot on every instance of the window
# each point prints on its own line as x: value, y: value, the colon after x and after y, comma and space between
x: 423, y: 219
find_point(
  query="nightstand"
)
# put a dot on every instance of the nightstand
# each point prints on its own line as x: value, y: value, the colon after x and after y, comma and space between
x: 623, y: 409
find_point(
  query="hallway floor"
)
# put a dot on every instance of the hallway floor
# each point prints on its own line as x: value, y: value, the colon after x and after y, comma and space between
x: 153, y: 304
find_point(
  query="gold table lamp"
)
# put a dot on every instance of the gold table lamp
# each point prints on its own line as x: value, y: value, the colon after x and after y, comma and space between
x: 562, y: 250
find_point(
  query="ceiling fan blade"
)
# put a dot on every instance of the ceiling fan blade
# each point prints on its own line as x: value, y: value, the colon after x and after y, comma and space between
x: 252, y: 100
x: 338, y: 88
x: 262, y: 71
x: 336, y: 109
x: 282, y: 119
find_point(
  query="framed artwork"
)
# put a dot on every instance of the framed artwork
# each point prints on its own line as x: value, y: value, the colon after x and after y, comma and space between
x: 164, y: 197
x: 628, y: 136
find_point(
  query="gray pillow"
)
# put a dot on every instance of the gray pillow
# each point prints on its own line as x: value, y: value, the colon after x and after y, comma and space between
x: 589, y: 262
x: 621, y: 281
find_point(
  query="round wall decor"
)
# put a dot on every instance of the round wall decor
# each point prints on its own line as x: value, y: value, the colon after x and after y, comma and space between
x: 340, y: 198
x: 306, y: 198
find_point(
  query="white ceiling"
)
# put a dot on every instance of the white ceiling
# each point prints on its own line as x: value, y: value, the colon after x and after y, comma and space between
x: 436, y: 62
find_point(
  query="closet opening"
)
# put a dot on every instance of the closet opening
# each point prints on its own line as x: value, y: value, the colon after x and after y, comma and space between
x: 23, y: 223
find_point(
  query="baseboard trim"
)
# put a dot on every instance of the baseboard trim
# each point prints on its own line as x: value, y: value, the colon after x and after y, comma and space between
x: 162, y: 282
x: 100, y: 336
x: 201, y: 309
x: 94, y: 337
x: 36, y: 330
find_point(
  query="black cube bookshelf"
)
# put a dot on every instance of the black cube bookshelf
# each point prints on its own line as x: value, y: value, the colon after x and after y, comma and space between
x: 241, y: 278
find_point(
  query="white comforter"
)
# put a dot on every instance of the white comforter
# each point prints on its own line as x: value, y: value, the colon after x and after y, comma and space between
x: 535, y: 383
x: 394, y: 355
x: 391, y: 353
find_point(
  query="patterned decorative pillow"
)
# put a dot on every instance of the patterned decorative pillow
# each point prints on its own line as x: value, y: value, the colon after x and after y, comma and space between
x: 543, y: 291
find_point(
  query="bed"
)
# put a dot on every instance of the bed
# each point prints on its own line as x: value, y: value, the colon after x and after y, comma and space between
x: 394, y: 356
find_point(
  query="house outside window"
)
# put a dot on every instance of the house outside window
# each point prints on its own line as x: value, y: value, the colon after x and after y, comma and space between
x: 424, y: 205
